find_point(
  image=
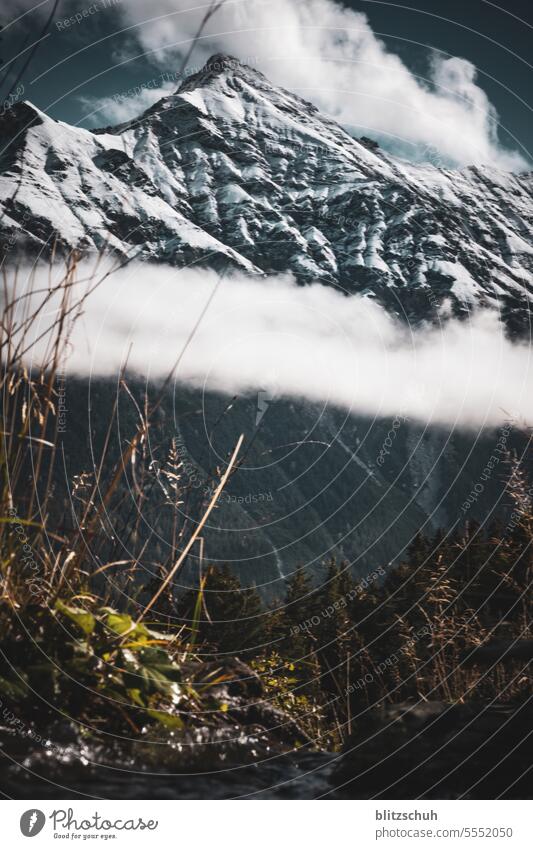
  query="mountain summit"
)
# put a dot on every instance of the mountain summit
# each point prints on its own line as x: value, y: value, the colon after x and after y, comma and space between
x: 233, y: 170
x: 218, y: 64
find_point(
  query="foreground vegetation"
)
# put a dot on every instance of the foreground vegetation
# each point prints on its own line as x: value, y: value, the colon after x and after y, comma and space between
x: 85, y: 635
x: 331, y: 653
x: 80, y: 635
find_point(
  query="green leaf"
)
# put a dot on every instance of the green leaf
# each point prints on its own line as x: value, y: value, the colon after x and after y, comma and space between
x: 158, y: 679
x: 135, y: 696
x: 13, y: 689
x: 79, y: 616
x: 169, y: 720
x: 157, y: 660
x: 122, y: 623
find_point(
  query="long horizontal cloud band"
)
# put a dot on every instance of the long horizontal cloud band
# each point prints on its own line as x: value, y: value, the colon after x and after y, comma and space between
x: 308, y: 342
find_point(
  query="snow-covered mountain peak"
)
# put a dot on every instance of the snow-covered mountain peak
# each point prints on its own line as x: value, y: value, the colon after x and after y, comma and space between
x: 233, y: 169
x: 22, y: 115
x: 219, y: 67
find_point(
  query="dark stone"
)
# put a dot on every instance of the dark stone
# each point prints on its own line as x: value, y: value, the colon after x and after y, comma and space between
x: 436, y: 750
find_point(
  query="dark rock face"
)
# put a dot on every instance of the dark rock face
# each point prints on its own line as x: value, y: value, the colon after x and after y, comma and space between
x: 435, y: 750
x: 325, y: 495
x: 233, y: 171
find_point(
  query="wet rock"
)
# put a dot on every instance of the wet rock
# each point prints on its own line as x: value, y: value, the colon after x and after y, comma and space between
x: 273, y: 721
x: 226, y: 762
x: 437, y: 750
x: 238, y: 679
x: 235, y: 742
x: 241, y: 691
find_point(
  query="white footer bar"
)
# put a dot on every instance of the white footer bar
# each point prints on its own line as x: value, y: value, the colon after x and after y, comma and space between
x: 267, y: 824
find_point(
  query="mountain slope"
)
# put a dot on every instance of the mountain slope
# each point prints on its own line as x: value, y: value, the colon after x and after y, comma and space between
x: 232, y: 171
x: 311, y: 486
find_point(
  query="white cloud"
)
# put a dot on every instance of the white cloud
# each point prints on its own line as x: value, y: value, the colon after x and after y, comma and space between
x: 330, y: 55
x: 308, y: 342
x: 123, y: 106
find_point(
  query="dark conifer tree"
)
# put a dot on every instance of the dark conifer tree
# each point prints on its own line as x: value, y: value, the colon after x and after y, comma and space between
x: 232, y: 618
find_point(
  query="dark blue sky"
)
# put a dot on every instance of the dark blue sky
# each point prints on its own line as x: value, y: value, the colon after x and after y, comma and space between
x: 496, y: 39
